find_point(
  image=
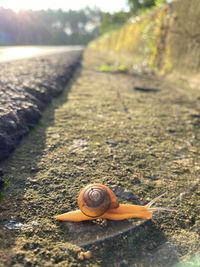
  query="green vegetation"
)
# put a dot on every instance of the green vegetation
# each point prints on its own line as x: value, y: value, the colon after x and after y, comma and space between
x: 1, y: 195
x: 122, y: 68
x: 113, y: 68
x: 105, y: 68
x: 58, y: 27
x: 143, y: 40
x: 4, y: 183
x: 114, y: 21
x: 138, y: 5
x: 111, y: 22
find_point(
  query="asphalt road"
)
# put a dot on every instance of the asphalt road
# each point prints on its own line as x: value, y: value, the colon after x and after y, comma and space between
x: 28, y: 85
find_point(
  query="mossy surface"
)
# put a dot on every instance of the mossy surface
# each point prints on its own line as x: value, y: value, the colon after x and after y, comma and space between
x: 156, y: 149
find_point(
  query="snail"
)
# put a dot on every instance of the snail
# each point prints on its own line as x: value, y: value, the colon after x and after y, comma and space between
x: 99, y: 201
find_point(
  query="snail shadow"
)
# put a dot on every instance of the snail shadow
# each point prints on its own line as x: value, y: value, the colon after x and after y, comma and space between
x: 93, y: 232
x: 124, y: 243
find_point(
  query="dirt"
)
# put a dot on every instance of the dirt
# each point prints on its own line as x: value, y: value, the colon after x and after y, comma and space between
x: 103, y: 130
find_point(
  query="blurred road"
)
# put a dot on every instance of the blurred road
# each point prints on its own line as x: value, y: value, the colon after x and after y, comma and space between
x: 10, y: 53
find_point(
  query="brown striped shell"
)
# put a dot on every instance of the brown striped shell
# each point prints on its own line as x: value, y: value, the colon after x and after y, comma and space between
x: 95, y: 199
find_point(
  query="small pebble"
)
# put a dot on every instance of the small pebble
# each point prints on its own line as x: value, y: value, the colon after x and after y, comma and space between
x: 85, y: 255
x: 111, y: 143
x: 33, y: 169
x: 182, y: 195
x: 88, y: 254
x: 55, y: 136
x: 13, y: 225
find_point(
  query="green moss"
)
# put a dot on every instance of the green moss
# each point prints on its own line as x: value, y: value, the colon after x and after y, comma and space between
x: 105, y: 68
x: 2, y: 194
x: 4, y: 185
x: 122, y: 68
x: 113, y: 68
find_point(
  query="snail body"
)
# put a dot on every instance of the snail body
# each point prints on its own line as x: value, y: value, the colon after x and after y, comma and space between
x: 99, y: 201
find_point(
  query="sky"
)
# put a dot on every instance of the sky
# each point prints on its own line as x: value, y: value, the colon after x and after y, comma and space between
x: 104, y: 5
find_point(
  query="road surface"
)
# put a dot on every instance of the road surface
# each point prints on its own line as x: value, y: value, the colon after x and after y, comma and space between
x: 28, y: 84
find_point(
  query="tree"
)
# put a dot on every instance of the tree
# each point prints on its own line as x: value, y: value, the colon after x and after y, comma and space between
x: 136, y: 5
x: 113, y: 21
x: 48, y: 27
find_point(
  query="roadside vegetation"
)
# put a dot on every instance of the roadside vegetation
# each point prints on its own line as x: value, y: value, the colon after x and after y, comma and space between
x: 141, y: 38
x: 59, y: 27
x: 111, y: 22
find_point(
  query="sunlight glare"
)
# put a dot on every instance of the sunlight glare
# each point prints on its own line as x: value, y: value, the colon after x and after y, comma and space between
x: 17, y: 53
x: 21, y: 52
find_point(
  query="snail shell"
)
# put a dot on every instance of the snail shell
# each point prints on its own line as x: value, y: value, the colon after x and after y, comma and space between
x: 95, y: 199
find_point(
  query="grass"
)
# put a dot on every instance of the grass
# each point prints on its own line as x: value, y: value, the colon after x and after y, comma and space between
x: 121, y: 68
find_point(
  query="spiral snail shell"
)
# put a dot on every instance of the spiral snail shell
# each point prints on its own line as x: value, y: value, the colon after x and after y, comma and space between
x: 95, y: 199
x: 99, y: 201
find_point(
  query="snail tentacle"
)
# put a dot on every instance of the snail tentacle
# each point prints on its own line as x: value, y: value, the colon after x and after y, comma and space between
x: 153, y: 201
x: 160, y: 209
